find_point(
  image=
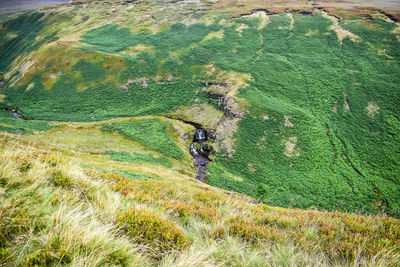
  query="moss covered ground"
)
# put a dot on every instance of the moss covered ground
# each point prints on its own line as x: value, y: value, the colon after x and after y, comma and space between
x: 302, y: 111
x: 321, y: 120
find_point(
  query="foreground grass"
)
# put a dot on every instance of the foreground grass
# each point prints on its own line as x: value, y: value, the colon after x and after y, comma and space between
x: 55, y: 212
x: 319, y: 129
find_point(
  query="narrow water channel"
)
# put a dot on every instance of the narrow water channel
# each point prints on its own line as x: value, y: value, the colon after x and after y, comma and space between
x: 15, y: 114
x: 199, y: 151
x: 200, y: 154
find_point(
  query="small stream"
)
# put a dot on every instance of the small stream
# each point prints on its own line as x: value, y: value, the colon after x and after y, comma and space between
x: 199, y: 151
x: 15, y: 114
x: 200, y: 154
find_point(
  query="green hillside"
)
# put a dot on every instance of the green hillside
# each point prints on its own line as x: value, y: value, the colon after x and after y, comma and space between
x: 317, y: 119
x: 300, y: 104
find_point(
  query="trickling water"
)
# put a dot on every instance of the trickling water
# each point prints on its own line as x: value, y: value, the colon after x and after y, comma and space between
x: 200, y: 155
x: 200, y: 135
x: 15, y: 114
x: 200, y: 163
x: 201, y: 159
x: 193, y: 150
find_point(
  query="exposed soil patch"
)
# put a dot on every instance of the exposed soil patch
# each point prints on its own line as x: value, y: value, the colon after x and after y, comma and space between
x: 372, y: 109
x: 251, y: 167
x: 290, y: 149
x: 341, y: 33
x: 287, y: 122
x: 346, y: 101
x: 262, y: 15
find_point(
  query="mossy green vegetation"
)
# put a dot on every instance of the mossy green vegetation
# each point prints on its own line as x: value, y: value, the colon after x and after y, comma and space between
x: 330, y: 140
x: 18, y: 36
x: 151, y: 133
x: 331, y: 128
x: 314, y: 126
x: 83, y: 96
x: 177, y: 37
x: 13, y: 125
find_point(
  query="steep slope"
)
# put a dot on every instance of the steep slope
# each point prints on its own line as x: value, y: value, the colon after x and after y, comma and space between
x: 66, y: 199
x: 295, y: 103
x: 300, y: 105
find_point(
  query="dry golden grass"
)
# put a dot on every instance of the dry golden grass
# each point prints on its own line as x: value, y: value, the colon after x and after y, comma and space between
x: 63, y: 201
x: 341, y: 33
x: 57, y: 210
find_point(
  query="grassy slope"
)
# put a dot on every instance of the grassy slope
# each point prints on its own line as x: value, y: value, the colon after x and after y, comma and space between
x: 336, y: 152
x: 331, y: 137
x: 56, y: 208
x: 319, y: 129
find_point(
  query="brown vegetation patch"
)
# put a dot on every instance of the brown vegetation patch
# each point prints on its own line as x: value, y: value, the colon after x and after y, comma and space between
x: 251, y: 167
x: 351, y: 8
x: 219, y: 35
x: 241, y: 27
x: 341, y: 33
x: 290, y: 149
x: 227, y: 84
x: 346, y: 104
x: 287, y: 121
x: 372, y: 109
x: 262, y: 16
x: 134, y: 50
x: 251, y: 232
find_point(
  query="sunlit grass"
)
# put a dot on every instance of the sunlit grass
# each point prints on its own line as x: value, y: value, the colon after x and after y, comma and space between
x: 85, y: 217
